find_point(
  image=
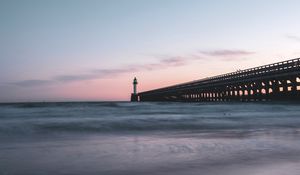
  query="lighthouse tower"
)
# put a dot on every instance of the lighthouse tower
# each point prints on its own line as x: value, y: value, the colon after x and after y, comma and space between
x: 134, y: 85
x: 134, y: 95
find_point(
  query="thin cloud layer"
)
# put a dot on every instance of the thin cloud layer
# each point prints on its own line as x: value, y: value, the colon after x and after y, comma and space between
x: 163, y: 63
x: 28, y: 83
x: 293, y: 37
x: 226, y: 53
x: 104, y: 73
x: 94, y: 74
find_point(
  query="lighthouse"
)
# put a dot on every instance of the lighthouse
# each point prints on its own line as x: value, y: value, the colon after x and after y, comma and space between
x: 134, y: 85
x: 134, y: 95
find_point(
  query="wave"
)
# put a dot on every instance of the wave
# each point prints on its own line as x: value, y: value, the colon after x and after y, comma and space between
x: 195, y: 124
x: 108, y: 117
x: 58, y: 104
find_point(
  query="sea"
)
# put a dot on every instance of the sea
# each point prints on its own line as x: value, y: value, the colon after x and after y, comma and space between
x: 155, y: 138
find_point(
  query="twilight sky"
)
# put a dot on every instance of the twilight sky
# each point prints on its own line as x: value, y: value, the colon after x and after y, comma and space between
x: 72, y: 50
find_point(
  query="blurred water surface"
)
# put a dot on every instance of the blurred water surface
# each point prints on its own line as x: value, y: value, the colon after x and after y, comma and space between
x: 150, y: 138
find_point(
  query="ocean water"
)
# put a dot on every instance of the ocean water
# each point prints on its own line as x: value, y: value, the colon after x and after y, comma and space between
x: 122, y: 138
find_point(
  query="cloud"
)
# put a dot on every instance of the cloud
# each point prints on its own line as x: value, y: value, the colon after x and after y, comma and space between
x: 163, y: 63
x: 65, y: 78
x: 293, y: 37
x: 95, y: 74
x: 104, y: 73
x: 174, y: 61
x: 226, y: 53
x: 27, y: 83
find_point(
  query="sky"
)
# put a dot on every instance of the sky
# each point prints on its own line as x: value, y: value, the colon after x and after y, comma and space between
x: 90, y: 50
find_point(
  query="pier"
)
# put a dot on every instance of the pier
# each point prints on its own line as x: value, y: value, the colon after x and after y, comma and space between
x: 277, y: 81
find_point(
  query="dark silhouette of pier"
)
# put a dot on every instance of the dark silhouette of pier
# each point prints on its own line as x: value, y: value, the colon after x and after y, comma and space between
x: 277, y: 81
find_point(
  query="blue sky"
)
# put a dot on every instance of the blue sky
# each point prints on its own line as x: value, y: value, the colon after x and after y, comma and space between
x: 65, y: 50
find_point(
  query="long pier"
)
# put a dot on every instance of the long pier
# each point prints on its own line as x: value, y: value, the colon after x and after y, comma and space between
x: 277, y: 81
